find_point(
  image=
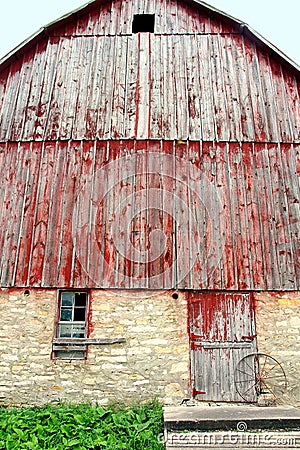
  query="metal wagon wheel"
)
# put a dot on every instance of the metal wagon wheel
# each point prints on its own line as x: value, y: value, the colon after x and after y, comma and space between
x: 258, y: 374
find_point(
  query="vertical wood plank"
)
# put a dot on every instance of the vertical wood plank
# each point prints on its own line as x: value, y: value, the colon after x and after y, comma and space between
x: 280, y: 219
x: 52, y: 243
x: 197, y: 261
x: 156, y: 216
x: 243, y: 88
x: 207, y: 111
x: 11, y: 84
x: 268, y: 97
x: 33, y: 112
x: 254, y: 76
x: 71, y: 87
x: 93, y: 90
x: 91, y: 214
x: 52, y: 131
x: 261, y: 187
x: 217, y: 93
x: 9, y: 158
x: 16, y: 206
x: 182, y: 223
x: 289, y: 158
x: 252, y: 194
x: 82, y: 23
x: 105, y: 107
x: 32, y: 159
x: 82, y: 84
x: 143, y: 89
x: 118, y: 102
x: 17, y: 123
x: 131, y: 87
x: 194, y: 94
x: 233, y: 102
x: 126, y: 16
x: 124, y: 205
x: 156, y: 89
x: 41, y: 230
x: 45, y: 93
x: 169, y: 262
x: 292, y: 89
x: 282, y: 112
x: 181, y: 126
x: 137, y: 219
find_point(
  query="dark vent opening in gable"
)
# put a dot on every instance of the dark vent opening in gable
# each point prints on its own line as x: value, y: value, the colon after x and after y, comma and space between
x: 143, y: 23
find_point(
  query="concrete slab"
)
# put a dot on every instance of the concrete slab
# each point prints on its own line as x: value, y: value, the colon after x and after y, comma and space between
x: 241, y: 418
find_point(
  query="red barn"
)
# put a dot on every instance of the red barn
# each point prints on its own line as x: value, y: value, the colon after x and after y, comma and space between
x: 149, y: 229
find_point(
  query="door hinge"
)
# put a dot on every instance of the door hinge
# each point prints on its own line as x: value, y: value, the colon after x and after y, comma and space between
x: 196, y: 346
x: 195, y: 392
x: 251, y: 337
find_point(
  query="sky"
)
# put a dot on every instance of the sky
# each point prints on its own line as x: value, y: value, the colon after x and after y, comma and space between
x: 277, y: 21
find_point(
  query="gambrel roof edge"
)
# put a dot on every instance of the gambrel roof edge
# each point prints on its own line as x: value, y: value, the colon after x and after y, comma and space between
x: 246, y: 30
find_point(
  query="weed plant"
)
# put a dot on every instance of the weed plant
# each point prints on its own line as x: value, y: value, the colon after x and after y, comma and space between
x: 82, y: 427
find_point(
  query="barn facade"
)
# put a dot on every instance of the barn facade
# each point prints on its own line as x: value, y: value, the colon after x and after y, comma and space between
x: 149, y: 229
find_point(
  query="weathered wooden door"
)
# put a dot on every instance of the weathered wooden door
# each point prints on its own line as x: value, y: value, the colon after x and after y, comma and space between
x: 222, y: 332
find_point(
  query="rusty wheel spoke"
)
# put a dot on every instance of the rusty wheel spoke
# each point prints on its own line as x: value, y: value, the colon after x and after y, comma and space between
x: 244, y: 381
x: 267, y: 377
x: 245, y: 373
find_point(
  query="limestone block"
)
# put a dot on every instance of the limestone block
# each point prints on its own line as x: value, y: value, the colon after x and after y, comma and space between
x: 282, y: 324
x: 295, y: 321
x: 173, y: 390
x: 89, y: 381
x: 156, y: 341
x: 140, y: 382
x: 118, y: 351
x: 181, y: 367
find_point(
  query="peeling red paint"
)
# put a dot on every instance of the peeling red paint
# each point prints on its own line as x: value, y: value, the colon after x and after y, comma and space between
x: 199, y: 90
x: 90, y: 316
x: 64, y: 190
x: 222, y: 330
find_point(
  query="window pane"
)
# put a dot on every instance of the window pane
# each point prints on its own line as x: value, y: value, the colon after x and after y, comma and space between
x: 65, y: 331
x: 78, y: 335
x: 80, y: 299
x: 78, y: 331
x: 72, y: 315
x: 63, y: 354
x: 66, y: 314
x: 67, y: 298
x: 79, y: 314
x: 71, y: 331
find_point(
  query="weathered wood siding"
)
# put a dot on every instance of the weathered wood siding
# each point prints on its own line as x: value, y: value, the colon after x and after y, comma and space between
x: 149, y: 160
x: 196, y: 77
x: 150, y: 214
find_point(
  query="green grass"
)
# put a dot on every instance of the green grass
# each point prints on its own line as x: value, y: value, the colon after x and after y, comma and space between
x: 82, y: 427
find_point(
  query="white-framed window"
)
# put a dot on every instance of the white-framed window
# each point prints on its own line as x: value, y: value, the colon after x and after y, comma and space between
x: 72, y: 325
x: 73, y: 308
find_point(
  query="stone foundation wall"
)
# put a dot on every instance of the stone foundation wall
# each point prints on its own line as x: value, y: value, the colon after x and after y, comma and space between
x: 153, y: 362
x: 278, y: 332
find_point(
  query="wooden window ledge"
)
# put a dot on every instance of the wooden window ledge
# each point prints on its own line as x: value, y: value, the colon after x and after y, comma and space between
x: 87, y: 341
